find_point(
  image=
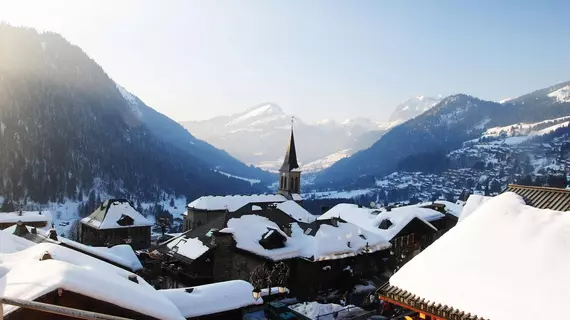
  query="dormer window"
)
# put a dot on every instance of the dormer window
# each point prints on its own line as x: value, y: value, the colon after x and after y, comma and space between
x: 385, y: 224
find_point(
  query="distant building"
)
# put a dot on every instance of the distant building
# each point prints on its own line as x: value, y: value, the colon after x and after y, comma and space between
x: 208, y: 208
x: 115, y: 221
x: 36, y: 219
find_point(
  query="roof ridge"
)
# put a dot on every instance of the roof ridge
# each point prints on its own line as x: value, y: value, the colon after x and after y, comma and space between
x: 512, y: 185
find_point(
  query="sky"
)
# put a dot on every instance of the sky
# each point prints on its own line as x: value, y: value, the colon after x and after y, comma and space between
x: 318, y: 59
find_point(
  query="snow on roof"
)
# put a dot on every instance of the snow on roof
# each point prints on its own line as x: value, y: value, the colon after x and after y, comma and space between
x: 315, y: 310
x: 328, y: 243
x: 24, y: 276
x: 106, y: 217
x: 232, y: 203
x: 25, y: 216
x: 188, y: 247
x: 492, y: 261
x: 297, y: 212
x: 370, y: 219
x: 11, y: 244
x: 297, y: 197
x: 120, y: 254
x: 473, y: 203
x: 212, y: 298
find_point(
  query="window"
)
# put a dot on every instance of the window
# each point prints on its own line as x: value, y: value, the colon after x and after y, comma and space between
x: 308, y: 230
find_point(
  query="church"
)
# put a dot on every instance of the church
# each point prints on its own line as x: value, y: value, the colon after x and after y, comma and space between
x: 209, y: 208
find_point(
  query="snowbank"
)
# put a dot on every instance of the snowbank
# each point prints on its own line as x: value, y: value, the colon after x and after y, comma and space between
x: 492, y: 262
x: 473, y: 203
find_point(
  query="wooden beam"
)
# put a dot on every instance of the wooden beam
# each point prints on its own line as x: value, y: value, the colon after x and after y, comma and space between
x: 59, y: 310
x: 392, y: 301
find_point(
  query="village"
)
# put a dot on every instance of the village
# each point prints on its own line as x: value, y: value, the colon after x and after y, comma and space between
x: 266, y: 257
x: 483, y: 166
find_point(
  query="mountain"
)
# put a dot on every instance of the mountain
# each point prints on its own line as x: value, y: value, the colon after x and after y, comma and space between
x: 67, y: 131
x: 258, y: 136
x: 172, y: 133
x: 421, y: 143
x: 412, y: 108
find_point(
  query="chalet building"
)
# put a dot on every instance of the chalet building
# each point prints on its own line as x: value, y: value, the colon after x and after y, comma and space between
x: 474, y: 273
x: 208, y: 208
x: 36, y: 219
x: 121, y: 256
x: 72, y: 279
x: 114, y: 222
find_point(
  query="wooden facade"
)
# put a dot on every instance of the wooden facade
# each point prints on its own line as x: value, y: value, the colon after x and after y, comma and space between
x: 77, y: 301
x: 137, y: 237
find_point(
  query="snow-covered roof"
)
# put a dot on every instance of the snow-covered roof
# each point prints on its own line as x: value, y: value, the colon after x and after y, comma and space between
x: 111, y: 211
x: 191, y: 248
x: 315, y: 310
x: 370, y: 219
x: 232, y: 203
x: 329, y: 242
x: 493, y: 260
x: 25, y: 216
x: 212, y: 298
x: 24, y: 276
x: 122, y: 254
x: 235, y: 202
x: 473, y: 203
x: 297, y: 212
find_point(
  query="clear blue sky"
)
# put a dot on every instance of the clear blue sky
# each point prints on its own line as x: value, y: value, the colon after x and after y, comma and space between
x: 317, y: 59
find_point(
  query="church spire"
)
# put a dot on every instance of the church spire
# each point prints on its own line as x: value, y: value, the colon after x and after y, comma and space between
x: 290, y: 161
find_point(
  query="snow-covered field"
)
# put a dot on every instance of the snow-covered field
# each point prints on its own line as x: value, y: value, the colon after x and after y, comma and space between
x: 251, y: 181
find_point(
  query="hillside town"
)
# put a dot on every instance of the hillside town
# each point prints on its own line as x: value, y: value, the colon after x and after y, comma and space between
x: 284, y: 160
x: 260, y: 257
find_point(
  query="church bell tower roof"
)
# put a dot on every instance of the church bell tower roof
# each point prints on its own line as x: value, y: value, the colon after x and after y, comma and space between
x: 290, y: 161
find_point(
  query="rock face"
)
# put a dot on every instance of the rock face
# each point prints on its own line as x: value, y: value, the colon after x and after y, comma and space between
x: 67, y: 128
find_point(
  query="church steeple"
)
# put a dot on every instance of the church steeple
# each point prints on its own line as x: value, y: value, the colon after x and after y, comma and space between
x: 290, y: 160
x: 289, y: 178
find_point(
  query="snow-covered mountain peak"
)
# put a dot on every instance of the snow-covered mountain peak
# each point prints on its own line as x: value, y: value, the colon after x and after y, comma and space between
x: 413, y: 107
x: 257, y: 115
x: 325, y: 122
x: 561, y: 95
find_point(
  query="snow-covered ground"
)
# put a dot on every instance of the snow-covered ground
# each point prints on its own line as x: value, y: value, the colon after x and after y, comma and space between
x: 326, y: 162
x: 251, y: 181
x: 349, y: 194
x: 561, y: 95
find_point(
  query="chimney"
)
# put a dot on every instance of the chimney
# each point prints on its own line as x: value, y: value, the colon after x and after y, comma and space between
x: 21, y: 229
x: 46, y: 256
x: 133, y: 278
x: 52, y: 233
